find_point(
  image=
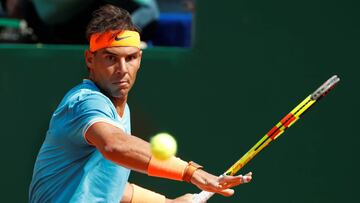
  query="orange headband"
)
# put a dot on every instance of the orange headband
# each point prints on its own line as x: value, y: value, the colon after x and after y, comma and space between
x: 114, y: 39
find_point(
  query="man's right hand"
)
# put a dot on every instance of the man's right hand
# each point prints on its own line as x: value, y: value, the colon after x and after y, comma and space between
x: 221, y: 185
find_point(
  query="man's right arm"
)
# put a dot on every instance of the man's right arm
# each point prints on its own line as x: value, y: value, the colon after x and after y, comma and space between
x: 135, y: 153
x: 115, y: 145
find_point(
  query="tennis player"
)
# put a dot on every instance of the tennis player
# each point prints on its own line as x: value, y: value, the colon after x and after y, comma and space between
x: 89, y: 151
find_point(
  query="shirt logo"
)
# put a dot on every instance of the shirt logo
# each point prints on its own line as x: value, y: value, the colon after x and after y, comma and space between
x: 121, y: 38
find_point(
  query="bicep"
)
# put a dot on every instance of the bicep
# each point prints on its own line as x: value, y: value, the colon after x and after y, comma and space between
x: 84, y: 114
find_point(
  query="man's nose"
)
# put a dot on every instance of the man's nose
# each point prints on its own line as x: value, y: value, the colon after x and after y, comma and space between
x: 121, y: 66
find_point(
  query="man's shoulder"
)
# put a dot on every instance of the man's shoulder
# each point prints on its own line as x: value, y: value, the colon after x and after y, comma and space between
x: 82, y: 99
x: 86, y: 90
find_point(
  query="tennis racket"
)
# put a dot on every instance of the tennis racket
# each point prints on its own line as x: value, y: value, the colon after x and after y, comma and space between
x: 275, y: 132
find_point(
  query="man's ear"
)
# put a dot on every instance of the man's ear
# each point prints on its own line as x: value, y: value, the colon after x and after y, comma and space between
x: 89, y: 58
x: 141, y: 52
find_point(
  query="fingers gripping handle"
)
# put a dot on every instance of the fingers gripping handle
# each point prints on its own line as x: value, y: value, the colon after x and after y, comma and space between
x: 202, y: 197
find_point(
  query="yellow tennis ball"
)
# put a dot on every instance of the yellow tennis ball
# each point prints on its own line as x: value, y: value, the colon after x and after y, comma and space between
x: 163, y: 146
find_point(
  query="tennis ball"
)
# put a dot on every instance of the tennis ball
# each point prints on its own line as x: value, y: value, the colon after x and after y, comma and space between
x: 163, y: 146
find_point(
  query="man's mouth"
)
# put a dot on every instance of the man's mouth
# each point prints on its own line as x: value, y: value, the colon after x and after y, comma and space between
x: 122, y: 84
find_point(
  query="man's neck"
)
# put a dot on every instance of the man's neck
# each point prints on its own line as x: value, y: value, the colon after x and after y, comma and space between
x: 119, y: 104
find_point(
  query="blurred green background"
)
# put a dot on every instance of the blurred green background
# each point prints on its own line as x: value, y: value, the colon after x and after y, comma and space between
x: 251, y: 63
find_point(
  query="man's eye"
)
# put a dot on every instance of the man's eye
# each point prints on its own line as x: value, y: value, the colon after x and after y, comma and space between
x: 131, y: 57
x: 111, y: 58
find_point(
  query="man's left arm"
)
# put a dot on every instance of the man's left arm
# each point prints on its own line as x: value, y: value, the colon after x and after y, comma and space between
x: 136, y: 194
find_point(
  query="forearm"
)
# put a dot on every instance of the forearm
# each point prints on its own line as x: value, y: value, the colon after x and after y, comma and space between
x: 134, y: 153
x: 129, y: 151
x: 115, y: 145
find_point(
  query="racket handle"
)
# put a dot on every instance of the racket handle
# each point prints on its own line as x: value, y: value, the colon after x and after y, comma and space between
x: 202, y: 197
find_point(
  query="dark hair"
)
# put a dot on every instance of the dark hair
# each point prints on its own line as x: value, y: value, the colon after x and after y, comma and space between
x: 109, y: 17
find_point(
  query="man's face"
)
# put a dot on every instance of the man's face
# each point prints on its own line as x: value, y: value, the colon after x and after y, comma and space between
x: 114, y: 69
